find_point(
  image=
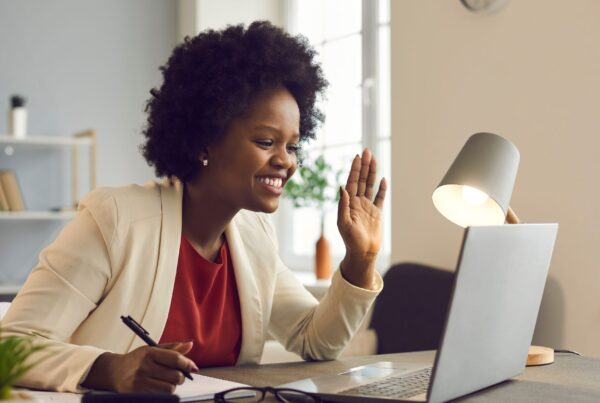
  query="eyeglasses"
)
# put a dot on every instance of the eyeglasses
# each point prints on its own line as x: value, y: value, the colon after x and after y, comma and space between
x: 284, y: 395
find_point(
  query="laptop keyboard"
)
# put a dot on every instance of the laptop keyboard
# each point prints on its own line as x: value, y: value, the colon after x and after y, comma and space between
x: 398, y: 387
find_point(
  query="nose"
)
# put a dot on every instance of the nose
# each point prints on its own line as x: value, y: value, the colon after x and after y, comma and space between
x: 283, y: 159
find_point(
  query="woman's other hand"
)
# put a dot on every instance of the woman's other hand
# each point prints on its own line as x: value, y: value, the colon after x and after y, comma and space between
x: 145, y: 369
x: 359, y: 220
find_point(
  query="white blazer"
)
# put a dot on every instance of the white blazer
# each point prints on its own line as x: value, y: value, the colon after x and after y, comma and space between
x: 119, y: 255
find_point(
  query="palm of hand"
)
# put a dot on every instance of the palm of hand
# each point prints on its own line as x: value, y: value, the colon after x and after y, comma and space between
x: 359, y: 217
x: 362, y: 231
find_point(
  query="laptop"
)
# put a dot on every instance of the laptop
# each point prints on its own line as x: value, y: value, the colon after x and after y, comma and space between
x: 497, y: 292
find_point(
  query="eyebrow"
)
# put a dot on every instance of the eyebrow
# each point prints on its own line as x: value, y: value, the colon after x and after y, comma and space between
x: 273, y: 129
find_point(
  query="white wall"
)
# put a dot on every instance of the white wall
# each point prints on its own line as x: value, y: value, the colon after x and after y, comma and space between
x: 530, y: 72
x: 81, y: 64
x: 87, y: 64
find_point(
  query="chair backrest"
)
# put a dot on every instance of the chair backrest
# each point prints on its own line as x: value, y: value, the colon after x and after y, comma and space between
x: 410, y: 312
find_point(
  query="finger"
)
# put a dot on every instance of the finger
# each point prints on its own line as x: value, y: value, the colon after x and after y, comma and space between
x: 364, y: 172
x: 343, y: 207
x: 173, y: 359
x: 163, y: 373
x: 381, y: 193
x: 371, y: 179
x: 352, y: 182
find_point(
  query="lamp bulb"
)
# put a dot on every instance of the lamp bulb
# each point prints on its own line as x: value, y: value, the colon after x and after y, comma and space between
x: 474, y: 197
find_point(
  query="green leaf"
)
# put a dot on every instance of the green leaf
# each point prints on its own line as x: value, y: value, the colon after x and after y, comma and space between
x: 14, y: 352
x: 314, y: 185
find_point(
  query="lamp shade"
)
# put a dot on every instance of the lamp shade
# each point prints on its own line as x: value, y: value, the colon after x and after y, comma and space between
x: 477, y: 188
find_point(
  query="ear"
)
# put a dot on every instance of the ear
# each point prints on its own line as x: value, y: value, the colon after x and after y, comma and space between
x: 203, y: 155
x: 203, y: 158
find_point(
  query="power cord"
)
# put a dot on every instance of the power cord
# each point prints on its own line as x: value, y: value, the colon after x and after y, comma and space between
x: 567, y: 351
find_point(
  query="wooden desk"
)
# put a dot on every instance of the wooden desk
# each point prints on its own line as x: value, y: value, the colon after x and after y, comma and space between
x: 571, y: 378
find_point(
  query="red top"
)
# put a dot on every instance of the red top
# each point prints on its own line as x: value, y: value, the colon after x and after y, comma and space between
x: 205, y: 308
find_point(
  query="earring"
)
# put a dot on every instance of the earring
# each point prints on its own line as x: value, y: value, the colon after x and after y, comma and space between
x: 205, y: 162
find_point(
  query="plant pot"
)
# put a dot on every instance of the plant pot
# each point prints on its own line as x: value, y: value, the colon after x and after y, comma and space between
x: 323, y: 258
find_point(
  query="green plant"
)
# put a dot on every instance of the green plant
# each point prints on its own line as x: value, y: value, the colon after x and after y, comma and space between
x: 14, y: 351
x: 314, y: 185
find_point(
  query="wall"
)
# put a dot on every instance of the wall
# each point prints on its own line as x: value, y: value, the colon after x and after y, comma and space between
x: 87, y: 64
x: 530, y: 72
x: 81, y: 64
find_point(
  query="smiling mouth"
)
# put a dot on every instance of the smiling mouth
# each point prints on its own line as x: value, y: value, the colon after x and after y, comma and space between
x: 273, y: 185
x: 274, y: 182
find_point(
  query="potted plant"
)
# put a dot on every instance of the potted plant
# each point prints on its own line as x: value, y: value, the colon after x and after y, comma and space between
x: 312, y: 187
x: 14, y: 352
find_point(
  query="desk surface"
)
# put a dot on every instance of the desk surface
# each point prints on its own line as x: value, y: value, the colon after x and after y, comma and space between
x: 570, y: 378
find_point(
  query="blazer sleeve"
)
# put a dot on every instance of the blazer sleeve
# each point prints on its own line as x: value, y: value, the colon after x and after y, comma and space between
x: 60, y: 292
x: 316, y: 330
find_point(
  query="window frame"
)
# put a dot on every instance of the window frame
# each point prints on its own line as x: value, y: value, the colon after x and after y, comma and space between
x: 370, y: 137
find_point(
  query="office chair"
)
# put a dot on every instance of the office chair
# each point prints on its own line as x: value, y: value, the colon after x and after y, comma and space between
x: 410, y: 312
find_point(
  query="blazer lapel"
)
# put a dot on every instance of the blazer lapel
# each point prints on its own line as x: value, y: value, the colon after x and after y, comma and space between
x: 250, y: 303
x: 155, y: 317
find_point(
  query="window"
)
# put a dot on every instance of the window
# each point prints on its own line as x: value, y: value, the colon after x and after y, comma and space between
x: 352, y: 39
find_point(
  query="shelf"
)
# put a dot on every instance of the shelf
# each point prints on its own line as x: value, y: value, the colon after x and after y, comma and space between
x: 46, y: 140
x: 37, y: 215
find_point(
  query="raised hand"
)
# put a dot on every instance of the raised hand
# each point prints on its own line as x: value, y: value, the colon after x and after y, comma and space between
x: 359, y: 220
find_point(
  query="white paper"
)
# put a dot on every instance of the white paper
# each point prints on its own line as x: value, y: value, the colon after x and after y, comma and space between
x: 201, y: 388
x: 204, y: 388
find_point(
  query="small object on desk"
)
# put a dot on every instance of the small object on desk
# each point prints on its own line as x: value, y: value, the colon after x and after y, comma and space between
x: 539, y: 355
x: 144, y: 335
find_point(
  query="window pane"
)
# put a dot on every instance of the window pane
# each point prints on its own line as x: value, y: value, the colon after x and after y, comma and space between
x: 307, y: 228
x: 350, y: 23
x: 343, y: 123
x: 310, y: 19
x: 306, y: 221
x: 384, y: 83
x: 340, y: 159
x: 384, y: 11
x: 342, y: 61
x: 334, y: 27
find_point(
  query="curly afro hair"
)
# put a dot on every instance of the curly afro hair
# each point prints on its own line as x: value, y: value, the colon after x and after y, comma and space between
x: 212, y: 78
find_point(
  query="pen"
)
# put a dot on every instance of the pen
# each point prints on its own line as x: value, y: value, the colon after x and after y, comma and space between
x: 144, y: 335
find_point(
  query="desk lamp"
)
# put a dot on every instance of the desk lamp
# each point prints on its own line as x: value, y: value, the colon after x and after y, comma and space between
x: 476, y: 190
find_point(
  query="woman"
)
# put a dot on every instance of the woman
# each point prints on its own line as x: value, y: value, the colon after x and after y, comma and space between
x: 193, y: 258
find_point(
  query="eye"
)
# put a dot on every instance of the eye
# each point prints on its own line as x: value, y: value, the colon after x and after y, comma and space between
x: 294, y: 148
x: 264, y: 143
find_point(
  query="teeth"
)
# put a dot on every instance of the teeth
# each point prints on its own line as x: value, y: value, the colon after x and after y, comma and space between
x: 275, y: 182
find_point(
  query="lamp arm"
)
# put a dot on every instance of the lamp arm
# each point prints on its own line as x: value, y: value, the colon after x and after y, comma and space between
x: 511, y: 217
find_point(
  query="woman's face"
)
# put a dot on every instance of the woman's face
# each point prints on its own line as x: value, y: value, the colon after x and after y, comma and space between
x: 257, y: 155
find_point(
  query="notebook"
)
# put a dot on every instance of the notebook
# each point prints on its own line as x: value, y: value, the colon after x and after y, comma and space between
x: 205, y: 387
x: 498, y: 287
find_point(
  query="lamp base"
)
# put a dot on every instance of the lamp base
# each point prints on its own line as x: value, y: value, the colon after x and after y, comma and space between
x: 539, y: 356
